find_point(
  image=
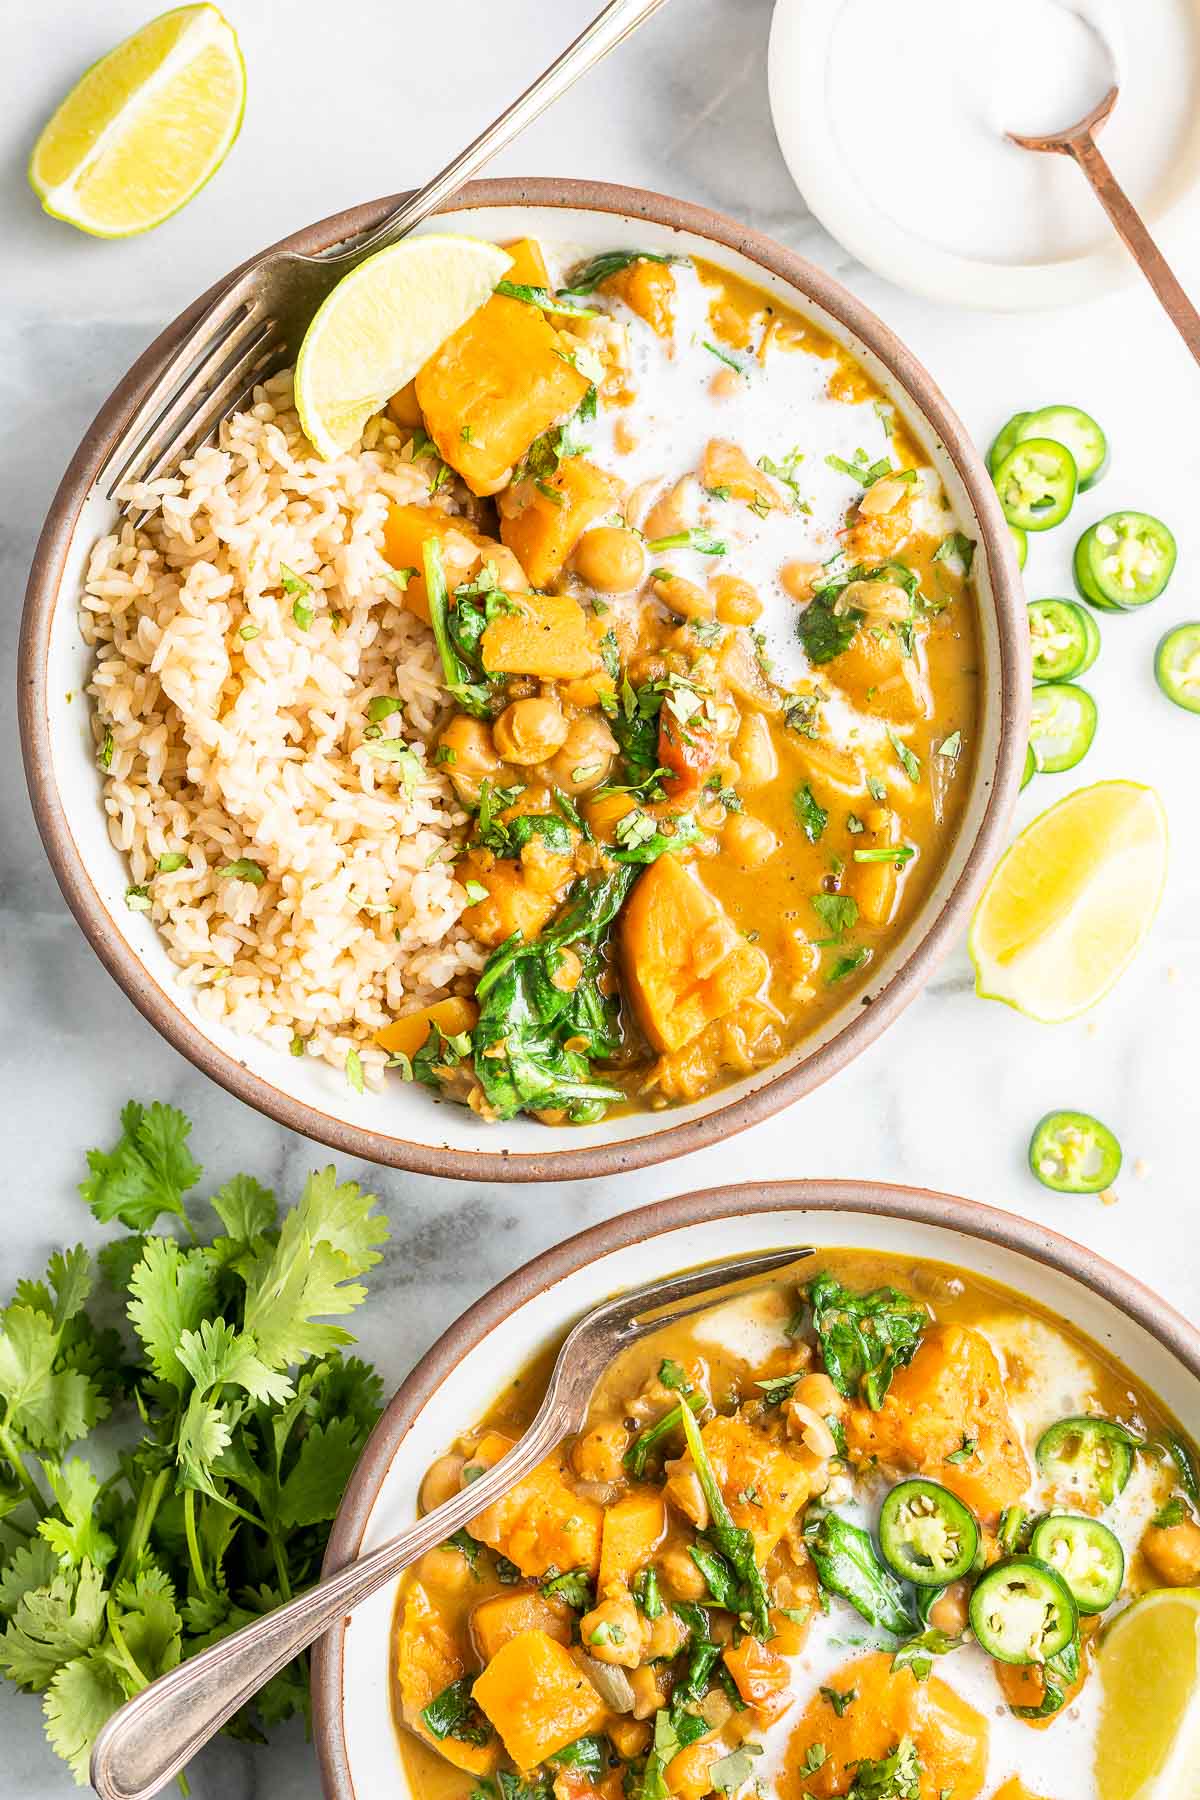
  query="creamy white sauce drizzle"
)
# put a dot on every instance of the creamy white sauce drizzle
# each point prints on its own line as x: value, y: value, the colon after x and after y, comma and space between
x: 922, y: 97
x: 780, y: 405
x: 1047, y: 1378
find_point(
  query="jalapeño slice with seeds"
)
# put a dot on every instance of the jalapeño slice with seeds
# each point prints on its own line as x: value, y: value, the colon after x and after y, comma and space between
x: 1073, y: 1153
x: 1036, y: 483
x: 926, y: 1533
x: 1062, y: 725
x: 1064, y: 637
x: 1067, y: 425
x: 1085, y: 1553
x: 1093, y: 1456
x: 1124, y: 561
x: 1177, y: 666
x: 1022, y: 1611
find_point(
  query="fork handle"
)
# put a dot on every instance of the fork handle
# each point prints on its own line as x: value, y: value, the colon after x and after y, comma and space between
x: 610, y: 28
x: 154, y: 1735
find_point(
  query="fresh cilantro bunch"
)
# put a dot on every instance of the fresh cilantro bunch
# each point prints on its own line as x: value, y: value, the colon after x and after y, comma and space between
x: 247, y: 1421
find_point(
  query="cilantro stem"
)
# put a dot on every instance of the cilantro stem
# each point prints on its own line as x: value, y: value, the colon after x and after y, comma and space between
x: 193, y: 1544
x: 149, y: 1500
x: 123, y: 1651
x: 11, y: 1454
x: 285, y: 1586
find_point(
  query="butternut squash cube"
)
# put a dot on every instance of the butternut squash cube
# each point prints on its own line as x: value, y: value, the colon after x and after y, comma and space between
x: 538, y: 1698
x: 687, y: 1773
x: 633, y: 1530
x: 500, y: 381
x: 683, y: 961
x: 542, y: 1523
x: 405, y: 533
x: 553, y: 518
x: 953, y: 1389
x: 494, y: 1622
x: 648, y: 289
x: 726, y: 467
x: 877, y: 676
x: 745, y: 1461
x: 405, y: 1035
x: 514, y: 903
x: 761, y: 1676
x: 548, y: 637
x: 429, y: 1659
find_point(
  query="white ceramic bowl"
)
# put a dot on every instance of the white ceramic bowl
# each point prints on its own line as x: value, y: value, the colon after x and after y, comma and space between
x: 405, y: 1125
x: 807, y: 125
x: 461, y: 1376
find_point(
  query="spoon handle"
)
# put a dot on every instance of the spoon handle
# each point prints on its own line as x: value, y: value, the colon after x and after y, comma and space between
x: 1137, y: 239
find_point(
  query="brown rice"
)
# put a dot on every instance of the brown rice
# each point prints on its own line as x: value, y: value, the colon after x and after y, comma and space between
x: 228, y: 731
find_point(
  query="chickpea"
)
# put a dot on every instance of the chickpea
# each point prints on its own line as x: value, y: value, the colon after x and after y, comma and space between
x: 586, y: 755
x: 446, y: 1569
x: 612, y: 1632
x: 443, y: 1479
x: 748, y: 841
x: 681, y: 1575
x: 949, y: 1612
x: 665, y: 1639
x: 530, y: 731
x: 725, y: 384
x: 797, y: 579
x: 754, y: 751
x: 684, y: 597
x: 735, y: 599
x: 610, y: 559
x: 474, y: 756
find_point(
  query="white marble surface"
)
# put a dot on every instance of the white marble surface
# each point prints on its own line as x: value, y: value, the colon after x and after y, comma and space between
x: 355, y: 100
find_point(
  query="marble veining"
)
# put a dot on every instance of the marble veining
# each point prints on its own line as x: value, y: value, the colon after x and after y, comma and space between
x: 339, y: 110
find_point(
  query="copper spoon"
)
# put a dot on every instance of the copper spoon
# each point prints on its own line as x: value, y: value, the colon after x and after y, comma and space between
x: 1079, y: 142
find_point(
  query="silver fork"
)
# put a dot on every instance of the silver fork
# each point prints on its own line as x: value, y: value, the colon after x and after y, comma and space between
x: 152, y: 1736
x: 256, y: 324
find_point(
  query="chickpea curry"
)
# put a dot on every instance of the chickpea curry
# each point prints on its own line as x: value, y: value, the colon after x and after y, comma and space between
x: 709, y: 650
x: 851, y: 1537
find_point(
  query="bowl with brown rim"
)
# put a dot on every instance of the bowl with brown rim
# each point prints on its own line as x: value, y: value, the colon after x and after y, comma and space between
x: 460, y: 1378
x: 407, y: 1127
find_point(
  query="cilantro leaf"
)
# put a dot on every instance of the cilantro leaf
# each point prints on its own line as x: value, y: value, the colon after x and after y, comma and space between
x: 147, y: 1172
x: 76, y: 1538
x: 171, y: 1292
x: 325, y: 1243
x: 245, y: 1208
x: 80, y: 1700
x: 53, y: 1624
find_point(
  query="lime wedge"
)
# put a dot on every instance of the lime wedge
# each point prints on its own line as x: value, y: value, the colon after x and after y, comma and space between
x: 1070, y: 902
x: 381, y: 324
x: 143, y: 130
x: 1148, y: 1744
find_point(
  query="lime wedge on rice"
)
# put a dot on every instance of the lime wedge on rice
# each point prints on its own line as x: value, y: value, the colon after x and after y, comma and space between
x: 381, y: 324
x: 147, y: 125
x: 1148, y: 1744
x: 1069, y: 903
